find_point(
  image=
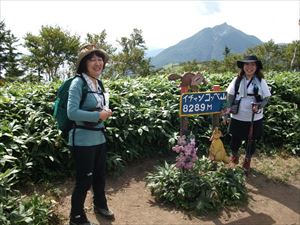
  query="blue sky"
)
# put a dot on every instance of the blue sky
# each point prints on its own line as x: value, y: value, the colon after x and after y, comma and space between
x: 164, y: 23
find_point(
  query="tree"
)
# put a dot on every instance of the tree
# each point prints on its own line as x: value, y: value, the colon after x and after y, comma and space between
x: 131, y: 59
x: 270, y: 55
x: 4, y: 36
x: 100, y: 41
x: 292, y: 56
x: 213, y: 66
x: 191, y: 66
x: 229, y: 63
x: 51, y: 49
x: 9, y: 57
x: 12, y: 68
x: 226, y: 51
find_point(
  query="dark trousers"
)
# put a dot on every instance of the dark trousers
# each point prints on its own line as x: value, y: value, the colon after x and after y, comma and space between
x: 90, y: 166
x: 236, y: 143
x: 240, y: 131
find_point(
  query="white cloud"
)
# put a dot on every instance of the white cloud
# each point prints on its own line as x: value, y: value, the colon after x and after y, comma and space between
x: 209, y: 7
x: 164, y: 23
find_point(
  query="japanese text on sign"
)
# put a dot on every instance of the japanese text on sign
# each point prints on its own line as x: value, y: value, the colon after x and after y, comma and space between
x: 200, y: 103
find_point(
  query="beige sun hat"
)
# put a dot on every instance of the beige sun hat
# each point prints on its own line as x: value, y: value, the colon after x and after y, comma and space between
x: 86, y: 50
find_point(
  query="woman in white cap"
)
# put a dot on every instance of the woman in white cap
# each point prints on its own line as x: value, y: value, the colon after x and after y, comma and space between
x: 247, y: 93
x: 87, y: 140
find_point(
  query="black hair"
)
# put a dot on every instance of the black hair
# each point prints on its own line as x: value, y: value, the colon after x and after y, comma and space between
x: 82, y: 68
x: 258, y: 72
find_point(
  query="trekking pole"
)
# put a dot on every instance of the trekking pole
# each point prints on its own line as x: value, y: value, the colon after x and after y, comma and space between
x: 250, y: 134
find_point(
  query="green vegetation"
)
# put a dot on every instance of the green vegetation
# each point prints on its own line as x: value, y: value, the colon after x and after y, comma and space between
x: 145, y: 123
x: 18, y: 209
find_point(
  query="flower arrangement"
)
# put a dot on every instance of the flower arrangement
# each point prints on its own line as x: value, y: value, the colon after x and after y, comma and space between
x: 186, y: 147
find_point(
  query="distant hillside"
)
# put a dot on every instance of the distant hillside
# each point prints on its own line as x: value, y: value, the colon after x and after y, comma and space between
x: 153, y: 52
x: 207, y: 44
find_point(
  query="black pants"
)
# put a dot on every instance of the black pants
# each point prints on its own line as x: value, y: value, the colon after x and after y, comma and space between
x: 236, y: 143
x: 90, y: 166
x: 240, y: 131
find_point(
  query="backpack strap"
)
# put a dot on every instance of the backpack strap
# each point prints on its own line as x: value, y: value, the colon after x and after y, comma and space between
x: 84, y: 89
x: 103, y: 90
x: 101, y: 85
x: 237, y: 85
x: 90, y: 128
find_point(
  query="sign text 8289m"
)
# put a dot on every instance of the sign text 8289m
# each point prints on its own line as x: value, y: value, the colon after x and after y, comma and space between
x: 201, y: 103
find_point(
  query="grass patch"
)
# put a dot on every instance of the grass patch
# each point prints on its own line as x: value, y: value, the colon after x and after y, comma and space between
x: 280, y: 168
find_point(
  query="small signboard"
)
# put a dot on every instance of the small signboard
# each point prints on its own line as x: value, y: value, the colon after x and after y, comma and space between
x: 202, y: 103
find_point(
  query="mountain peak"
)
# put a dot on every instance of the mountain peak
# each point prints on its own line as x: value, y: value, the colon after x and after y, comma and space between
x: 222, y: 28
x: 221, y: 25
x: 207, y: 44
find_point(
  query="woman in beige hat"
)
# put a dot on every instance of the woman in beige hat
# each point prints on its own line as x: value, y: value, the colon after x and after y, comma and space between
x: 86, y: 139
x: 247, y: 93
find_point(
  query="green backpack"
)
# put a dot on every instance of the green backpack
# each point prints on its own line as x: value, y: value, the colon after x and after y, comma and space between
x: 61, y: 101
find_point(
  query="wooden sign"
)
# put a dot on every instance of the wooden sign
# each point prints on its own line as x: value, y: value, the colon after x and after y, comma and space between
x: 202, y: 103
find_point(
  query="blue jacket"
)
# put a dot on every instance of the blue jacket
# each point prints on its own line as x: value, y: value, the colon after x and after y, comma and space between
x: 83, y: 137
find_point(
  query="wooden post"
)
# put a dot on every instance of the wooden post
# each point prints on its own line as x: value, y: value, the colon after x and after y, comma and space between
x: 184, y: 124
x: 216, y: 117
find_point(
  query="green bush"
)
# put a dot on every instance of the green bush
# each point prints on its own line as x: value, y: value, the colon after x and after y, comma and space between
x: 207, y: 187
x: 16, y: 209
x: 145, y: 115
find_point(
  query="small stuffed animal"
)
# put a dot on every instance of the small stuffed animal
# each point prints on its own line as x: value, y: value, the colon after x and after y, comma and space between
x: 217, y: 151
x: 189, y: 81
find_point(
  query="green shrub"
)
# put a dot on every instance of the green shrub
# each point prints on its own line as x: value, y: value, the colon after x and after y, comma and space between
x: 145, y: 122
x: 207, y: 187
x: 16, y: 209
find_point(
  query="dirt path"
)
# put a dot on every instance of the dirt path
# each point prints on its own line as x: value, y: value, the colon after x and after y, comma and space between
x: 270, y: 203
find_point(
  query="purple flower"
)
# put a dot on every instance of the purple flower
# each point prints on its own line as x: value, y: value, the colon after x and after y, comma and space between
x: 187, y: 152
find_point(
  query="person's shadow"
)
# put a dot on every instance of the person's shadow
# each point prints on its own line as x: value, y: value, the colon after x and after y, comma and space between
x: 285, y: 194
x: 252, y: 219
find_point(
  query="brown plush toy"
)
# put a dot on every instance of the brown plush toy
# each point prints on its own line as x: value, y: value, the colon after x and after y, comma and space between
x: 217, y: 151
x: 189, y: 80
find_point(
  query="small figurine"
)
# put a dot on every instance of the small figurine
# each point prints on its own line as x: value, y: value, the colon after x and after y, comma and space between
x: 217, y: 151
x: 189, y: 81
